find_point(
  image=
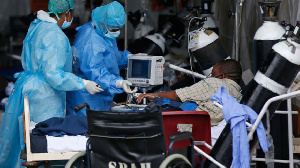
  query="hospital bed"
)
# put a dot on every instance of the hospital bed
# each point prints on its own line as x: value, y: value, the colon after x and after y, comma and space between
x: 32, y: 159
x: 195, y: 122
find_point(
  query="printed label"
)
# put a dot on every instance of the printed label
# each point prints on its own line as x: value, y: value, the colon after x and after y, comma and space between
x: 184, y: 127
x: 130, y: 165
x: 193, y: 38
x: 159, y: 68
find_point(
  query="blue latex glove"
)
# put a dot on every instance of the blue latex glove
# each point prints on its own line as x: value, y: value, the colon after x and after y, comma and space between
x: 237, y: 114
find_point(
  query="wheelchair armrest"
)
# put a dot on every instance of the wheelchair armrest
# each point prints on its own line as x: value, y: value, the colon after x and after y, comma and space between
x: 81, y: 106
x: 180, y: 136
x: 151, y: 107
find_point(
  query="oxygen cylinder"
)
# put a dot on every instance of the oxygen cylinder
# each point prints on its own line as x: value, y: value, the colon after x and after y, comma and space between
x: 155, y: 44
x: 152, y: 44
x: 210, y: 23
x: 273, y: 78
x: 207, y: 49
x: 204, y: 42
x: 268, y: 34
x: 206, y: 11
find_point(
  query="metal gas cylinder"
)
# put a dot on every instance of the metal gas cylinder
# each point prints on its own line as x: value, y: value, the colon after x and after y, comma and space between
x: 207, y: 49
x: 273, y: 78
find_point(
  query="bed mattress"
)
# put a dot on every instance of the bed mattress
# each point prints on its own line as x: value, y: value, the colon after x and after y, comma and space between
x: 51, y: 144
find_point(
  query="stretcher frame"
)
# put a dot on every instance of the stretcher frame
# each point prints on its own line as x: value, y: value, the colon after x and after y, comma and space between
x: 288, y: 96
x: 291, y: 161
x: 30, y: 157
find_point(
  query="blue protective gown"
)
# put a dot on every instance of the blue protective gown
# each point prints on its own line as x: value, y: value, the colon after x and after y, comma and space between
x: 236, y: 115
x: 47, y: 63
x: 97, y: 61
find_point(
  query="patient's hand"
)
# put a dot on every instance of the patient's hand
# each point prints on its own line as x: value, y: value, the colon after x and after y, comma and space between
x: 150, y: 96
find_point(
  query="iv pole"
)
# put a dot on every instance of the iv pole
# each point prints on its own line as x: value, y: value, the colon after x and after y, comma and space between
x: 238, y: 20
x: 126, y: 27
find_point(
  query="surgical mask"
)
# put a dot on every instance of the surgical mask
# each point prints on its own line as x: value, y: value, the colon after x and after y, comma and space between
x: 66, y: 24
x: 113, y: 35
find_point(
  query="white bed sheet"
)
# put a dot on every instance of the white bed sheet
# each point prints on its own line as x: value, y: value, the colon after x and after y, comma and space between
x: 66, y: 143
x: 216, y: 131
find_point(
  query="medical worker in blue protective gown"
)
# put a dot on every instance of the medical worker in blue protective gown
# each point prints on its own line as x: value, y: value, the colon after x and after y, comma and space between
x: 97, y: 58
x: 47, y: 63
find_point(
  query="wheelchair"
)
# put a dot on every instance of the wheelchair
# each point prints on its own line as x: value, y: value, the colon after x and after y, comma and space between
x: 131, y: 140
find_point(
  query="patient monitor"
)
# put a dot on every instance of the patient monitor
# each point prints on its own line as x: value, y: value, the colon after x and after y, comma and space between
x: 145, y: 71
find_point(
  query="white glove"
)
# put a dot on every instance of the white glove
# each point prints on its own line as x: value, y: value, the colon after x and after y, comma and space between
x: 92, y: 87
x: 125, y: 84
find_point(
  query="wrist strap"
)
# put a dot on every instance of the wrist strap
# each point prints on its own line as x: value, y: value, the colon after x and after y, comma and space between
x: 155, y: 95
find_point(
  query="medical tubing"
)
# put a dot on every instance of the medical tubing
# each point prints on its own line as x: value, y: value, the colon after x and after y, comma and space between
x: 185, y: 71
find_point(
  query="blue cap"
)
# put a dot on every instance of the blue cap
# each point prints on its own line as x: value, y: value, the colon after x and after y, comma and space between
x: 59, y: 6
x: 107, y: 17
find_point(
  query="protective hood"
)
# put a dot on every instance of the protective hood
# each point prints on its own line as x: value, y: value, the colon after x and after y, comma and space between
x: 107, y: 17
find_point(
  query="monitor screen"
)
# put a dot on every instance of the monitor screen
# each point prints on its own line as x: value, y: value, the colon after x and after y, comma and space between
x: 140, y: 69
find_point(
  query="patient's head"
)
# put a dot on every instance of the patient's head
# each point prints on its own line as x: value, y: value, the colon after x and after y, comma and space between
x: 229, y: 68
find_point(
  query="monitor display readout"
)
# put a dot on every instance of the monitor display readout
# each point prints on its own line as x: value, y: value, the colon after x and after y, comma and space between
x: 140, y: 69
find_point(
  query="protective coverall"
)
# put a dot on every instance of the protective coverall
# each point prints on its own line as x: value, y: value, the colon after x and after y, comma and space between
x: 97, y: 58
x: 47, y: 63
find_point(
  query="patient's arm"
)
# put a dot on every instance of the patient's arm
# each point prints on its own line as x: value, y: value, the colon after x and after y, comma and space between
x: 152, y: 96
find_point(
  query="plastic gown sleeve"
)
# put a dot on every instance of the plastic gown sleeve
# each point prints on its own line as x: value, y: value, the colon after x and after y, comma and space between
x: 94, y: 68
x: 122, y: 56
x: 54, y: 59
x: 123, y: 61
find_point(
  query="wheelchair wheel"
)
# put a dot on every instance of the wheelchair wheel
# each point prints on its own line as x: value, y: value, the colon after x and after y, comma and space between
x: 176, y: 161
x: 77, y: 161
